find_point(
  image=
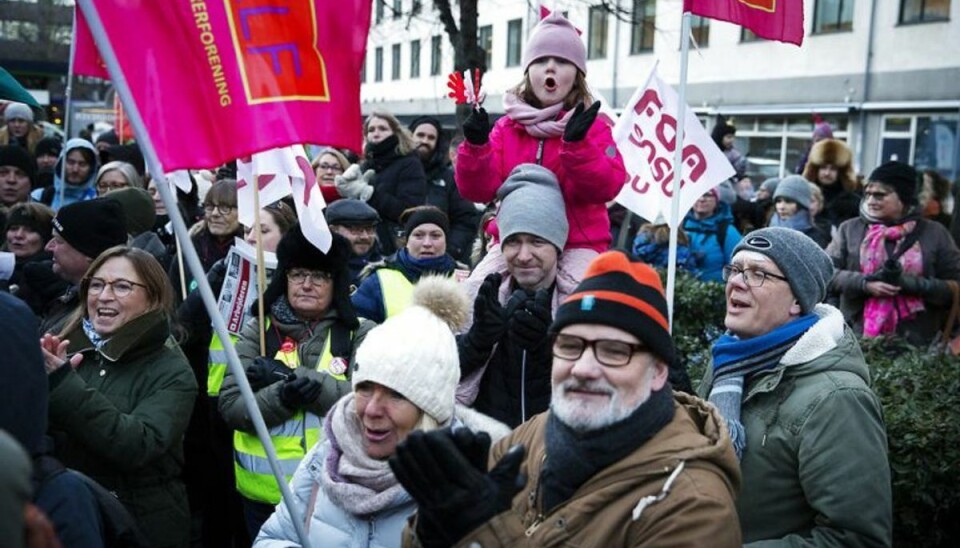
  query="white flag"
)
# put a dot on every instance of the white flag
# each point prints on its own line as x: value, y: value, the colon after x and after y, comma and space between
x: 308, y: 199
x: 181, y: 180
x: 273, y: 178
x: 646, y: 135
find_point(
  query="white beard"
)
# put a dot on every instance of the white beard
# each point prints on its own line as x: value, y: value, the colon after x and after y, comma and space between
x: 586, y: 417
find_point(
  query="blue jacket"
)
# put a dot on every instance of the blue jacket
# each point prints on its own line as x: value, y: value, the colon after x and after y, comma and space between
x: 705, y: 243
x: 71, y: 193
x: 329, y: 524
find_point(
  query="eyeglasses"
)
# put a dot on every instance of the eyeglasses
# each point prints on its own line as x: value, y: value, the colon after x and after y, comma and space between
x: 361, y: 230
x: 753, y: 277
x: 329, y: 167
x: 878, y: 196
x: 608, y: 352
x: 221, y: 209
x: 121, y: 287
x: 317, y: 277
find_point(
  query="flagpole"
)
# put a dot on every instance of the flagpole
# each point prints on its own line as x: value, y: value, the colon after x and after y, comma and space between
x: 193, y: 260
x: 183, y: 275
x: 67, y: 99
x: 678, y: 164
x: 261, y: 274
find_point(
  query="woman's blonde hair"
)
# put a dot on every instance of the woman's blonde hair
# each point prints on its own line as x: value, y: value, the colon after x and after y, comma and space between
x: 580, y: 93
x: 341, y: 159
x: 404, y: 139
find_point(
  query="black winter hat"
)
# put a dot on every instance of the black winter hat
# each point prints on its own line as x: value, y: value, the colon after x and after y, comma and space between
x: 421, y: 215
x: 420, y: 120
x: 93, y: 226
x: 901, y: 177
x: 52, y: 146
x: 295, y: 251
x: 13, y: 155
x: 722, y: 128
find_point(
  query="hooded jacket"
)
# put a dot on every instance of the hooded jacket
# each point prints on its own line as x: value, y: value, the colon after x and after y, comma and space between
x: 815, y: 469
x: 705, y: 242
x: 590, y: 173
x: 71, y: 193
x: 697, y: 510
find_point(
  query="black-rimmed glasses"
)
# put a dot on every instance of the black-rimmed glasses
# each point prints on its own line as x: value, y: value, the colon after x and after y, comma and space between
x: 608, y: 352
x: 753, y: 277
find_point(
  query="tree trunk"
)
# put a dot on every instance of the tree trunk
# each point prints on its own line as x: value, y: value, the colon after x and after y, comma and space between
x: 467, y: 53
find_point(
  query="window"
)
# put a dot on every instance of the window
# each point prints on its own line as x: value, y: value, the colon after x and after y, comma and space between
x: 597, y: 35
x: 747, y: 35
x: 485, y: 41
x: 774, y: 145
x: 514, y: 39
x: 921, y: 11
x: 926, y: 142
x: 415, y: 59
x: 363, y: 70
x: 832, y: 16
x: 378, y: 65
x: 416, y: 7
x: 381, y: 4
x: 397, y: 8
x: 436, y: 52
x: 644, y: 25
x: 700, y: 29
x: 395, y: 69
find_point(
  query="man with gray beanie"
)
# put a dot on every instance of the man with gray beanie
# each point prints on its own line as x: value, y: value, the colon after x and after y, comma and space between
x: 790, y: 380
x: 505, y: 355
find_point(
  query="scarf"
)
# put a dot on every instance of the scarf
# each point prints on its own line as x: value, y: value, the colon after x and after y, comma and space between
x: 92, y: 334
x: 380, y: 155
x: 281, y: 310
x: 541, y: 123
x: 351, y: 479
x: 443, y: 264
x: 736, y: 361
x: 800, y: 221
x: 881, y: 314
x: 574, y: 457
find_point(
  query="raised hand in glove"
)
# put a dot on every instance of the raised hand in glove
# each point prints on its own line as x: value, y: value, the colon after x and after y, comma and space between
x: 354, y: 184
x: 298, y: 392
x: 489, y: 320
x: 529, y: 322
x: 265, y: 371
x: 580, y: 122
x: 454, y: 496
x: 476, y: 128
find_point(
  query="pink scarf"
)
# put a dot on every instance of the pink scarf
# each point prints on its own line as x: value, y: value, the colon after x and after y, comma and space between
x: 539, y: 122
x: 881, y: 314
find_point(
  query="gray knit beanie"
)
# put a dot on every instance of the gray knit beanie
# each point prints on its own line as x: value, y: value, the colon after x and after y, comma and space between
x: 531, y: 203
x: 796, y: 188
x: 808, y: 268
x: 770, y: 185
x: 19, y: 111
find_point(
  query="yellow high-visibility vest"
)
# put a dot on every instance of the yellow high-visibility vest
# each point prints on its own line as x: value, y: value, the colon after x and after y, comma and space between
x: 396, y: 289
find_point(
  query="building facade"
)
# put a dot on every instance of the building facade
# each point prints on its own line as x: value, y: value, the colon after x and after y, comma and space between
x: 884, y: 73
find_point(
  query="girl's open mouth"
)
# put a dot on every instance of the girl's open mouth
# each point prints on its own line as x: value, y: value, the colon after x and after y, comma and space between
x: 550, y: 83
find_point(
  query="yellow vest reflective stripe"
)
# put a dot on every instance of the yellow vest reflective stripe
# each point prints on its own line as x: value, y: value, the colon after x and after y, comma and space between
x: 292, y: 439
x: 396, y: 289
x: 217, y: 365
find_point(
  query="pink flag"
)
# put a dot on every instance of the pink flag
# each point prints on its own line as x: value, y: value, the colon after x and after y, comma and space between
x: 86, y: 57
x: 215, y: 81
x: 646, y: 135
x: 780, y: 20
x: 544, y: 12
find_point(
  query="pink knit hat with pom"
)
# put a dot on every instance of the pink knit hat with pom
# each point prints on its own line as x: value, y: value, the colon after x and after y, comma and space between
x: 555, y: 36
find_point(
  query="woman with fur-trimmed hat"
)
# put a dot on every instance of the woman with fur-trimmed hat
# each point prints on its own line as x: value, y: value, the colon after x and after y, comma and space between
x: 344, y: 486
x: 830, y: 167
x: 311, y: 332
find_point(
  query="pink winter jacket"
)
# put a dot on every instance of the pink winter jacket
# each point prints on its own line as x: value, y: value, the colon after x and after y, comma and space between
x: 590, y: 172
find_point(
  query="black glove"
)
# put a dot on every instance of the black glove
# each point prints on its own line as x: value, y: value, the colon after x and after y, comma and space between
x: 529, y: 323
x: 489, y: 319
x: 476, y: 128
x: 298, y: 392
x: 45, y: 285
x: 915, y: 285
x: 579, y: 122
x: 265, y: 371
x: 454, y: 497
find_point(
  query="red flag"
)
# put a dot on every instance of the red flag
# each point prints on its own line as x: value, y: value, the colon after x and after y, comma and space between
x: 215, y: 81
x: 86, y: 56
x: 780, y: 20
x: 121, y: 122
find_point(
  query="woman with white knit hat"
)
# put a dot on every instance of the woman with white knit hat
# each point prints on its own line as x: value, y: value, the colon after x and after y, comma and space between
x: 344, y: 486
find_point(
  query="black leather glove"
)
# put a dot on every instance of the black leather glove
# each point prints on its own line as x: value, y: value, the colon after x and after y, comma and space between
x: 440, y: 471
x: 579, y: 123
x: 915, y: 285
x: 42, y: 281
x: 298, y: 392
x: 529, y: 323
x: 476, y: 128
x: 489, y: 319
x: 265, y: 371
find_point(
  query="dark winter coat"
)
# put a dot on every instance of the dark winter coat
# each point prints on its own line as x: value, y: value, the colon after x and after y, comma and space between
x: 120, y: 417
x: 368, y: 299
x: 399, y: 184
x: 463, y: 215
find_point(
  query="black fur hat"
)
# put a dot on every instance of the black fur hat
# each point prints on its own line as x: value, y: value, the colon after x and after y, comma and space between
x: 295, y: 251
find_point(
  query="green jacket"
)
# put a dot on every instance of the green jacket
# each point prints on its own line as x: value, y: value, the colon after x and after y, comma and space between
x: 120, y: 418
x: 815, y: 470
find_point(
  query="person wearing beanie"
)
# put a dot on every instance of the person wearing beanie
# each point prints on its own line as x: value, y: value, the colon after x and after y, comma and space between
x: 551, y: 120
x: 47, y: 151
x: 344, y: 488
x: 18, y: 171
x: 713, y: 234
x: 82, y: 164
x: 830, y: 166
x: 19, y: 128
x: 894, y: 266
x: 791, y: 382
x: 821, y: 131
x: 311, y: 333
x: 792, y: 209
x: 29, y: 228
x: 504, y: 354
x: 442, y: 190
x: 724, y: 135
x: 613, y: 413
x: 141, y: 215
x: 386, y: 286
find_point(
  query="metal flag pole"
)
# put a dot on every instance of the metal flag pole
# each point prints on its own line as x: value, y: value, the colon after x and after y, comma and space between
x: 67, y: 100
x: 678, y: 164
x: 193, y: 260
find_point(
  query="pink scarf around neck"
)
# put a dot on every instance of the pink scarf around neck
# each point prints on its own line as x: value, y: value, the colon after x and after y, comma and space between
x: 541, y: 123
x: 881, y: 314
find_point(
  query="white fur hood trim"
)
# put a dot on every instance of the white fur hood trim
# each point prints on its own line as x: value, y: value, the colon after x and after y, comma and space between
x: 819, y: 339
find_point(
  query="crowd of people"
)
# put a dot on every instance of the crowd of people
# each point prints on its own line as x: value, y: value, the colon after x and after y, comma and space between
x: 470, y: 361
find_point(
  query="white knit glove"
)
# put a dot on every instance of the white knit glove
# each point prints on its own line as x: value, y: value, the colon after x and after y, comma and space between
x: 354, y: 185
